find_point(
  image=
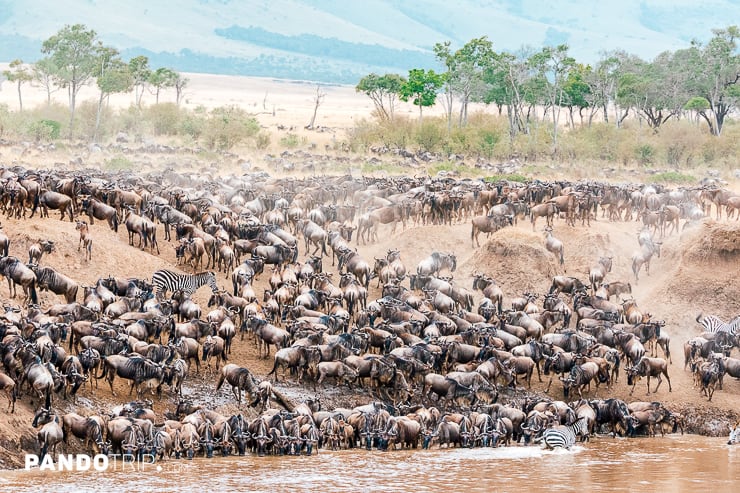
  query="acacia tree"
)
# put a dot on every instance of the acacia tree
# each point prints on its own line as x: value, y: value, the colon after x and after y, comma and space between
x: 443, y: 52
x: 506, y: 80
x: 114, y: 76
x: 715, y: 76
x: 160, y: 79
x: 576, y: 91
x: 602, y: 82
x: 421, y: 87
x: 19, y: 74
x: 382, y: 91
x: 465, y: 73
x: 180, y: 84
x: 75, y: 51
x: 140, y: 72
x: 552, y: 65
x: 43, y: 73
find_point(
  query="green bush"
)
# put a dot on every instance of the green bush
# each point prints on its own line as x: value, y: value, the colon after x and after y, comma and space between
x: 674, y: 177
x: 290, y: 140
x: 163, y: 118
x: 228, y: 126
x: 45, y: 130
x: 262, y: 141
x: 645, y: 154
x: 429, y: 136
x: 510, y: 177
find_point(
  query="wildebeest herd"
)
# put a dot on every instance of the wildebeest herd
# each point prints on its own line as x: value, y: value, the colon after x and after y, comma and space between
x: 438, y: 364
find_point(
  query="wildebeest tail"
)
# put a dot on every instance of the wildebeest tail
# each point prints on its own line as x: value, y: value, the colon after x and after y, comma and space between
x: 48, y: 398
x: 205, y: 353
x: 274, y: 368
x: 35, y: 204
x: 115, y: 223
x: 33, y: 294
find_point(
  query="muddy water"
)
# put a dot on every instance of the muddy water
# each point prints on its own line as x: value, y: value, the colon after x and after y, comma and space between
x: 671, y: 464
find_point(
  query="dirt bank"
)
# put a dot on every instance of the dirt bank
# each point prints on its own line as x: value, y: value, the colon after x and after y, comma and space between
x: 697, y: 272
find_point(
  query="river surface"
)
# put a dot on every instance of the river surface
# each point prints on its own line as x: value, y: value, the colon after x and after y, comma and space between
x: 672, y: 464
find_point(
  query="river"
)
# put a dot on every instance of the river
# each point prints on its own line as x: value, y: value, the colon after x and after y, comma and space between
x: 671, y: 464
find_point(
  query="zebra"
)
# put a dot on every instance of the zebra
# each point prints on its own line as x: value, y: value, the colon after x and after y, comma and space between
x: 166, y: 280
x: 734, y: 434
x: 713, y: 324
x: 564, y: 435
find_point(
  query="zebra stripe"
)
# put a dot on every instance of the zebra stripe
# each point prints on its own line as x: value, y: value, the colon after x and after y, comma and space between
x: 713, y: 324
x: 564, y: 436
x: 166, y: 281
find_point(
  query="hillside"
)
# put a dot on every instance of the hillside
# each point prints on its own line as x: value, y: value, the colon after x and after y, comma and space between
x: 681, y: 285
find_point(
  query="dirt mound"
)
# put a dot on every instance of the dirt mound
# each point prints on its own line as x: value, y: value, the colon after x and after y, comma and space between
x: 517, y: 260
x: 714, y: 241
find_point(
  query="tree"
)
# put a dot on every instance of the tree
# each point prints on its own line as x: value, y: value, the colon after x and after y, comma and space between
x: 43, y: 73
x: 382, y: 91
x: 19, y: 74
x: 715, y: 76
x: 140, y: 72
x: 506, y: 80
x: 443, y: 52
x: 318, y: 98
x: 75, y: 52
x: 422, y: 86
x: 114, y: 76
x: 552, y: 65
x: 466, y: 77
x: 180, y: 84
x: 602, y: 82
x: 577, y: 91
x: 162, y: 78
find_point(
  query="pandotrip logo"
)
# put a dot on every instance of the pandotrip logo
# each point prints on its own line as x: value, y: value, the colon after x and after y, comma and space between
x: 101, y: 463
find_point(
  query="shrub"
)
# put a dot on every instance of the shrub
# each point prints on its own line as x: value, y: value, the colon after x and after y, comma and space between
x: 228, y: 126
x: 645, y: 154
x: 163, y: 118
x: 674, y: 177
x: 290, y: 140
x: 45, y: 130
x: 429, y: 136
x: 118, y: 163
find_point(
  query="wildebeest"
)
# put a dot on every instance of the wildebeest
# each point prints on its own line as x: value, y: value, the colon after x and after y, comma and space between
x: 434, y: 264
x: 37, y: 250
x: 56, y: 282
x: 18, y: 273
x: 7, y: 386
x: 643, y: 257
x: 488, y: 224
x: 553, y: 244
x: 48, y: 199
x: 134, y: 368
x: 648, y: 367
x: 597, y: 273
x: 240, y: 380
x: 96, y: 209
x: 51, y: 434
x: 85, y: 239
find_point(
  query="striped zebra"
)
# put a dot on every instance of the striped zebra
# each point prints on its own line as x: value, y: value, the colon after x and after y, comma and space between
x: 713, y: 324
x: 169, y: 281
x: 564, y: 436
